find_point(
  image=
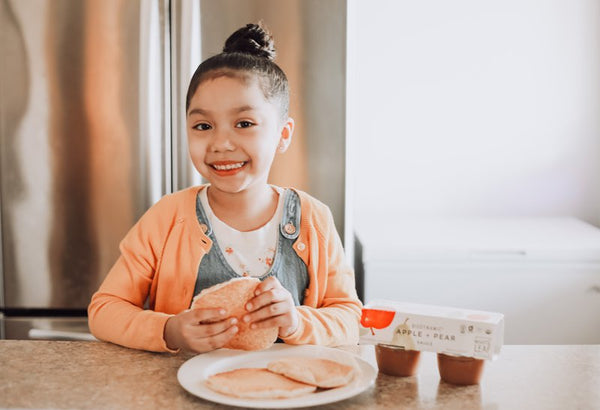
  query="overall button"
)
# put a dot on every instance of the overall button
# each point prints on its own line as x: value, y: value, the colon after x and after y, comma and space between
x: 301, y: 246
x: 289, y: 228
x: 204, y: 228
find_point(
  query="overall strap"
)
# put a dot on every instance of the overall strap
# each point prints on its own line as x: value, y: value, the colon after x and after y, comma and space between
x: 202, y: 218
x: 289, y: 268
x: 290, y: 219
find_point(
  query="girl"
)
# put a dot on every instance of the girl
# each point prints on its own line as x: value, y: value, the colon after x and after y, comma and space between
x: 236, y: 225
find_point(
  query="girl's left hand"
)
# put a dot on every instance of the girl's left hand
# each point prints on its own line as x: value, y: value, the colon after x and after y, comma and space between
x: 273, y: 306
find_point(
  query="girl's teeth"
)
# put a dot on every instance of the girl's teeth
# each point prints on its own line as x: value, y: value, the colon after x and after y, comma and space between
x: 228, y: 166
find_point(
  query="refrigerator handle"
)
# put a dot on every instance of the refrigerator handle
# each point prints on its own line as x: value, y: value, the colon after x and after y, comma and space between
x: 154, y: 107
x: 185, y: 55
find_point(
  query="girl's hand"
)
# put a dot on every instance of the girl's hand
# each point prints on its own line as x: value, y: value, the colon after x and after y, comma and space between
x: 273, y: 306
x: 199, y: 330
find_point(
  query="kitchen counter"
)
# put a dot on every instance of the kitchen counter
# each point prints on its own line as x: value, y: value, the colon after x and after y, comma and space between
x: 57, y: 374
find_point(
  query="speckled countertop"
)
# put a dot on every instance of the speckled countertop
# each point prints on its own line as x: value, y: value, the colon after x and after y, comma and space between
x: 82, y: 375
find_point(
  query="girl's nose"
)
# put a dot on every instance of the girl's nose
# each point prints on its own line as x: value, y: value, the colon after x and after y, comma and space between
x: 221, y: 141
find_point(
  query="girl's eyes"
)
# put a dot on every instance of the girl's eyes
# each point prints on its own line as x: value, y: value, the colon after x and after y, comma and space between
x: 205, y: 126
x: 202, y: 127
x: 244, y: 124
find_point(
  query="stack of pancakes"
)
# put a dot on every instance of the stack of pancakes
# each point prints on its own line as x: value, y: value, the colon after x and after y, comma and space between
x: 282, y: 379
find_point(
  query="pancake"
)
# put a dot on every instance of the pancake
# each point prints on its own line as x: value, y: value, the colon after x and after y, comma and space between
x: 233, y: 296
x: 322, y: 373
x: 254, y: 383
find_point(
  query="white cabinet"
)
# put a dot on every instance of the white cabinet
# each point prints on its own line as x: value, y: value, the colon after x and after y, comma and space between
x: 542, y: 274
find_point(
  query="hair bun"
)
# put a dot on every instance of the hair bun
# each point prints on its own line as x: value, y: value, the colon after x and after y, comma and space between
x: 253, y: 39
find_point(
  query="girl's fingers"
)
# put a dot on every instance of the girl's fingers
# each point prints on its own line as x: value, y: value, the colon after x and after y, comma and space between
x: 207, y: 344
x: 266, y: 298
x: 206, y: 315
x: 211, y: 329
x: 273, y: 309
x: 273, y: 321
x: 270, y: 283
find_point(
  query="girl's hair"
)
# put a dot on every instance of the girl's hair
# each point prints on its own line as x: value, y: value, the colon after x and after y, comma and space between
x: 250, y: 50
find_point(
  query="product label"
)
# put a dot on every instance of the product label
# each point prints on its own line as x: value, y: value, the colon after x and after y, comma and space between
x: 433, y: 328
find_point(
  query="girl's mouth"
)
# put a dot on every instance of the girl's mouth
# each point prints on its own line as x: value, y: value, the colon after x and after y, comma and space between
x: 227, y: 167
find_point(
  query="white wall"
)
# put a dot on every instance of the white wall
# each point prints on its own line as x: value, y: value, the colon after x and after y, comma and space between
x: 476, y: 108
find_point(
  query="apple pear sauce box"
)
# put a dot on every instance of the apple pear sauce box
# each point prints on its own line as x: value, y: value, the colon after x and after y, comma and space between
x: 438, y: 329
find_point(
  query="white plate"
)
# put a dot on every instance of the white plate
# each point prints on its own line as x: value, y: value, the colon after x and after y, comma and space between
x: 193, y: 373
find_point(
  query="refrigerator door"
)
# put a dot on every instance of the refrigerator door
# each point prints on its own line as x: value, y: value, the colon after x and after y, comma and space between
x: 84, y: 140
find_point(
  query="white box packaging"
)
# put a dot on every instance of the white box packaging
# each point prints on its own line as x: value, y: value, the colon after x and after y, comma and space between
x: 430, y: 328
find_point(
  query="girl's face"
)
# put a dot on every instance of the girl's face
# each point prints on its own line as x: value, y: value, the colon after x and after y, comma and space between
x: 234, y: 133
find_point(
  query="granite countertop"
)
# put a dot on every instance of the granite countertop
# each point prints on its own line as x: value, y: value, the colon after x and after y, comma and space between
x: 81, y: 375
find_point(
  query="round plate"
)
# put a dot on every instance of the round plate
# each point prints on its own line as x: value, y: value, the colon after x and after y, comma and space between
x: 193, y: 373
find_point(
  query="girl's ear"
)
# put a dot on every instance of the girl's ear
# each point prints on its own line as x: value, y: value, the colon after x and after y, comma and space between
x: 286, y: 135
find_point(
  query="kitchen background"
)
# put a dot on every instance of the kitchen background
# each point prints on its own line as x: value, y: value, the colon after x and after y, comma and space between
x: 457, y: 144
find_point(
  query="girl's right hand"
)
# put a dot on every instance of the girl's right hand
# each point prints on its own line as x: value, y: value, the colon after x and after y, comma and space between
x: 199, y: 330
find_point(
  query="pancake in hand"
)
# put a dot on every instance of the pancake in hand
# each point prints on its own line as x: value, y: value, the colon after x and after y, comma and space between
x: 233, y: 296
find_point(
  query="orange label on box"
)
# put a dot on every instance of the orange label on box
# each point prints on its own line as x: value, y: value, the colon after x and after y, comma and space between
x: 376, y: 319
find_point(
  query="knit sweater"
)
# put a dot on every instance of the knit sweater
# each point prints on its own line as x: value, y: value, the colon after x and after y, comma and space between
x: 159, y: 264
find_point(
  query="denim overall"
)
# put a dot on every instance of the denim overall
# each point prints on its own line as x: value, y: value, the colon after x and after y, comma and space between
x: 287, y: 266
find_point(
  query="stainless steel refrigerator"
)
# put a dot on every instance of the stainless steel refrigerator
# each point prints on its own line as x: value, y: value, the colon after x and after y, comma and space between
x: 92, y: 131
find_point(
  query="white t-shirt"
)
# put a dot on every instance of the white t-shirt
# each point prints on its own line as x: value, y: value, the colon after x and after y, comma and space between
x: 248, y: 253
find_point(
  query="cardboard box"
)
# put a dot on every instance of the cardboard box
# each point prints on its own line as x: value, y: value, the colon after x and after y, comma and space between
x: 439, y: 329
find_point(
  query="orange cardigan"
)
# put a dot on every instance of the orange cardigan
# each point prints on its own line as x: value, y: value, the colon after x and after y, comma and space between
x: 159, y: 263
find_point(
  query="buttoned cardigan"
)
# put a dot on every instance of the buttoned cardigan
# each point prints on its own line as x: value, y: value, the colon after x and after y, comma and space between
x: 155, y: 274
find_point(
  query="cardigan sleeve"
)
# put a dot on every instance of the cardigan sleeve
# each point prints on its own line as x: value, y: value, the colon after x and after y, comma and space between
x: 333, y: 318
x: 116, y: 312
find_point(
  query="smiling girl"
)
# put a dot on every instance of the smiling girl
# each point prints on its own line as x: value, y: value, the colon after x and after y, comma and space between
x: 236, y: 225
